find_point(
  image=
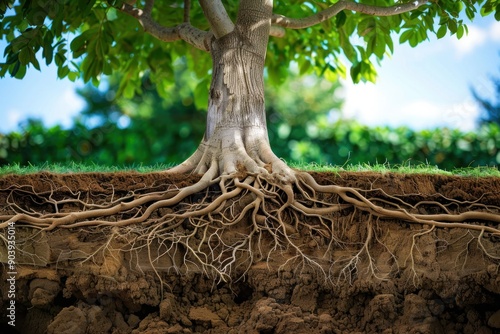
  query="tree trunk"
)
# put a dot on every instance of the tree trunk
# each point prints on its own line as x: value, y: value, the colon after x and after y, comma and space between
x: 236, y: 137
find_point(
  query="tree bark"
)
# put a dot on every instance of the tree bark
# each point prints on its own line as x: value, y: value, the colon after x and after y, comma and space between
x: 236, y: 135
x: 237, y: 90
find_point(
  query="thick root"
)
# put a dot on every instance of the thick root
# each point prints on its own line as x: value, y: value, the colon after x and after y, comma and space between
x: 247, y: 152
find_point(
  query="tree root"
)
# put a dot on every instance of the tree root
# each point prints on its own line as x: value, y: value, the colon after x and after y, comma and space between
x: 223, y: 225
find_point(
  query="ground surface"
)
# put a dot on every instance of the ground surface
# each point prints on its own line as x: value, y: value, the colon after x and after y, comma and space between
x: 408, y: 279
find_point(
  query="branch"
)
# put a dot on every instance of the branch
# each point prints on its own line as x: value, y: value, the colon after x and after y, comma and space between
x: 194, y: 36
x: 333, y: 10
x: 185, y: 31
x: 217, y: 16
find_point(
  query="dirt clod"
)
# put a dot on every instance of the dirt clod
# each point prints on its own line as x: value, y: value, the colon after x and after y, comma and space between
x: 494, y: 320
x: 70, y: 320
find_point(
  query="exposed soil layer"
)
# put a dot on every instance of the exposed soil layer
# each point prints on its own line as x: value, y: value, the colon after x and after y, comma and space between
x: 411, y: 279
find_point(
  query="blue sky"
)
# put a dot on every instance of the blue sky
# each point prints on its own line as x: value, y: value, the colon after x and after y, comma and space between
x: 429, y: 86
x: 424, y: 87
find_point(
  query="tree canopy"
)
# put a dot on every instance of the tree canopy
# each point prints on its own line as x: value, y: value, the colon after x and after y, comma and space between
x: 89, y: 38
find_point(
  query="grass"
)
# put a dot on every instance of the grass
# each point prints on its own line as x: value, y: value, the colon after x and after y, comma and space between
x: 479, y: 171
x: 73, y: 167
x: 406, y: 168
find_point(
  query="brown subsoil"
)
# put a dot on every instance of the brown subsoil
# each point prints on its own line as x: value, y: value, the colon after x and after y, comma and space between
x: 442, y: 283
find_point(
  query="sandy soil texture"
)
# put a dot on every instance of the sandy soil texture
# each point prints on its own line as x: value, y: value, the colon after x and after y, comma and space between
x: 409, y: 278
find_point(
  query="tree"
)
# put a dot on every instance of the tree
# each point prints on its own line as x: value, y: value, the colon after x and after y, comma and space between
x: 234, y: 158
x: 106, y: 37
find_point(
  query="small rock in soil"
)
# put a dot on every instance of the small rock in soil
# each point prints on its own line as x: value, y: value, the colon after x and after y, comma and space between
x: 494, y: 320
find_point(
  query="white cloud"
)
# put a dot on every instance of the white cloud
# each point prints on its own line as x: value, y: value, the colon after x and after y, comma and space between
x: 424, y: 114
x: 55, y: 108
x: 10, y: 120
x: 67, y: 106
x: 462, y: 116
x: 72, y: 101
x: 420, y: 114
x: 375, y: 105
x: 475, y: 38
x: 494, y: 31
x: 362, y: 101
x: 427, y: 87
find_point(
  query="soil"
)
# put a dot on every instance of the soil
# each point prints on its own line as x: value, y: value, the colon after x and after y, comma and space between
x: 424, y: 281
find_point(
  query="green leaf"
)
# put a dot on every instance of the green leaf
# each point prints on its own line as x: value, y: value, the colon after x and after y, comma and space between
x: 441, y: 31
x: 111, y: 14
x: 366, y: 26
x: 415, y: 14
x: 60, y: 46
x: 12, y: 58
x: 340, y: 19
x: 60, y: 58
x: 48, y: 53
x: 379, y: 44
x: 85, y: 42
x: 429, y: 22
x: 346, y: 45
x: 452, y: 26
x: 85, y: 6
x: 414, y: 40
x: 304, y: 67
x: 106, y: 68
x: 460, y: 31
x: 15, y: 69
x: 356, y: 72
x: 62, y: 72
x: 72, y: 76
x: 389, y: 43
x: 19, y: 43
x: 129, y: 90
x: 78, y: 42
x: 36, y: 16
x: 444, y: 20
x: 470, y: 12
x: 24, y: 56
x: 370, y: 46
x: 48, y: 49
x: 406, y: 35
x: 88, y: 67
x: 95, y: 82
x: 21, y: 72
x: 487, y: 9
x: 52, y: 8
x: 368, y: 72
x: 33, y: 60
x: 331, y: 74
x: 100, y: 13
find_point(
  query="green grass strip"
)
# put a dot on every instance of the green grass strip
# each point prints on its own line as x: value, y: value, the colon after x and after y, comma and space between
x: 407, y: 168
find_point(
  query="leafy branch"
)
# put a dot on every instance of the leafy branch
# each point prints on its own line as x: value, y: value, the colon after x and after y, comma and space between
x: 336, y: 8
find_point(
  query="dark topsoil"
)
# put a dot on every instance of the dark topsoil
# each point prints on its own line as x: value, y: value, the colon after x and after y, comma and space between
x: 451, y: 288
